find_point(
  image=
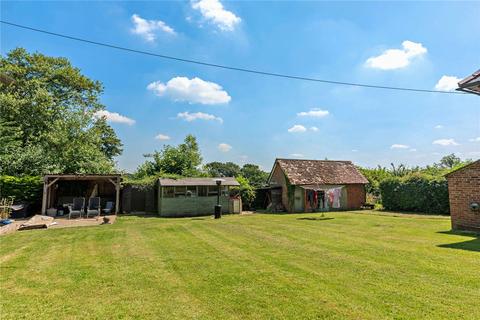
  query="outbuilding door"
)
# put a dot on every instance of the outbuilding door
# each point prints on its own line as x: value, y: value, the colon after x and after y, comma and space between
x: 298, y: 204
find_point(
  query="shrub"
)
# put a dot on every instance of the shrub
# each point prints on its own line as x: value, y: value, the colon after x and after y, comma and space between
x: 415, y: 192
x: 22, y: 189
x: 246, y: 191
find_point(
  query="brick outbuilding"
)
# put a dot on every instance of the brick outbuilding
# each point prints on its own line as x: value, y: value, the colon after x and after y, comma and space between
x: 315, y: 185
x: 464, y: 193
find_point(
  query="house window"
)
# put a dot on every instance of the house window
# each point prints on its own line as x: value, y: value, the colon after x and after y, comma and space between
x: 202, y: 191
x: 168, y: 192
x: 180, y: 191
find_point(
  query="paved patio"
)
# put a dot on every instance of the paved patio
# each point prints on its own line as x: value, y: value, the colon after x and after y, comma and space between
x: 59, y: 222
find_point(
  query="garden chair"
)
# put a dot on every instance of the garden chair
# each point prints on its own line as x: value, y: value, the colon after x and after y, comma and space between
x: 93, y: 206
x: 77, y: 208
x: 108, y: 207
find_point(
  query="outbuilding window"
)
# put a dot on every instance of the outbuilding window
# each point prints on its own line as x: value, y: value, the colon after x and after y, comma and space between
x: 202, y: 191
x: 168, y: 192
x: 191, y: 191
x: 180, y: 191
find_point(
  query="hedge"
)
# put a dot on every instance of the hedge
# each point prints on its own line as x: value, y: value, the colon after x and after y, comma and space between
x: 23, y: 189
x: 415, y: 193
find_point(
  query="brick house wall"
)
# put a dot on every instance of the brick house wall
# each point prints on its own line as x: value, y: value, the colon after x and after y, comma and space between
x: 356, y: 196
x: 463, y: 189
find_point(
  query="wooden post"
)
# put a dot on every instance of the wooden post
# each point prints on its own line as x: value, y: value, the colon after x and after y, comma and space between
x: 117, y: 202
x: 44, y: 196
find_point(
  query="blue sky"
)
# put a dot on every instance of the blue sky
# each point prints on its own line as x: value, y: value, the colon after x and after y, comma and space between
x: 242, y: 117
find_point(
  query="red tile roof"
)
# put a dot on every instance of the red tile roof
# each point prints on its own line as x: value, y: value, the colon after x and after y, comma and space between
x: 302, y: 172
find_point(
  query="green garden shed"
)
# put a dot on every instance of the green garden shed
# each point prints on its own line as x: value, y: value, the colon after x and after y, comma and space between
x: 190, y: 197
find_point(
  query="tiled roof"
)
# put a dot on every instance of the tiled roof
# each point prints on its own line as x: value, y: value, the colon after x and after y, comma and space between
x: 471, y: 83
x: 227, y: 181
x: 301, y: 172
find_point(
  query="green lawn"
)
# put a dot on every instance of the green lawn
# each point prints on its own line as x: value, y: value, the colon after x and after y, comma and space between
x: 302, y: 266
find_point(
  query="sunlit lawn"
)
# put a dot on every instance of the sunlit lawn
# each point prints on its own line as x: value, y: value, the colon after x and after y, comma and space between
x: 303, y: 266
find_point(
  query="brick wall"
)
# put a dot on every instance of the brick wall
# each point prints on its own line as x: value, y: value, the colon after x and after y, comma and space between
x: 356, y: 196
x: 463, y: 189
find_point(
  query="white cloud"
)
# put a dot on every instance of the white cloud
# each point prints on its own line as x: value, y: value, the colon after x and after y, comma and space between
x: 213, y: 11
x: 477, y: 139
x: 397, y: 58
x: 114, y: 117
x: 193, y: 90
x: 445, y: 142
x: 447, y: 83
x: 314, y: 113
x: 148, y: 28
x: 162, y: 137
x: 187, y: 116
x: 224, y: 147
x: 438, y: 126
x: 297, y: 155
x: 354, y: 150
x: 412, y: 150
x: 399, y: 146
x: 315, y: 129
x: 297, y: 128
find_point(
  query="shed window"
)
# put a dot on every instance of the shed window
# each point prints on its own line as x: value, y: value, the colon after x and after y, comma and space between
x: 191, y: 191
x: 180, y: 191
x: 212, y: 190
x: 202, y: 191
x: 168, y: 192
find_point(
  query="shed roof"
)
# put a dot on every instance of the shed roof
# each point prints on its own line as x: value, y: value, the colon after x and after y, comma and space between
x: 462, y: 168
x: 227, y: 181
x: 303, y: 172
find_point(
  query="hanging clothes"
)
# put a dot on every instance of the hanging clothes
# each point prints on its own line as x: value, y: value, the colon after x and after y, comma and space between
x: 331, y: 197
x: 337, y: 194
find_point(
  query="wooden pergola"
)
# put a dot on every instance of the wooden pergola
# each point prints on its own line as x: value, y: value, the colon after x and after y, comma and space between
x: 50, y: 180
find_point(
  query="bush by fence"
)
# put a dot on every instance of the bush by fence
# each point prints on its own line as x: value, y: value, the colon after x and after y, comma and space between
x: 23, y: 189
x: 416, y: 193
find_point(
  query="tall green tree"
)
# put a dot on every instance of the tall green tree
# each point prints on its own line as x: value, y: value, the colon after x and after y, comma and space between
x: 255, y: 176
x: 182, y: 160
x: 220, y: 169
x: 450, y: 161
x: 47, y: 117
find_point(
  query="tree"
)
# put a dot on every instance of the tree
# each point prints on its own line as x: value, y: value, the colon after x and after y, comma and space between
x: 449, y: 161
x: 182, y: 160
x: 110, y: 144
x: 246, y: 191
x: 47, y: 114
x: 220, y: 169
x: 255, y: 176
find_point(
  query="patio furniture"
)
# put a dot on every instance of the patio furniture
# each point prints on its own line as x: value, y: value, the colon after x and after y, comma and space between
x: 108, y: 207
x: 77, y: 208
x: 93, y: 206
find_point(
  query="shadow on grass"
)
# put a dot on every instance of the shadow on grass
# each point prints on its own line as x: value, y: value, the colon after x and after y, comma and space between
x: 473, y: 244
x: 315, y: 219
